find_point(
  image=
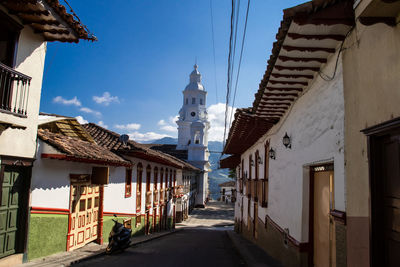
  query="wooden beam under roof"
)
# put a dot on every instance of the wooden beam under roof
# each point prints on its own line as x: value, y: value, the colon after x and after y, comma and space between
x: 284, y: 89
x: 324, y: 21
x: 280, y: 94
x: 287, y: 82
x: 308, y: 49
x: 298, y: 68
x: 302, y: 59
x: 277, y: 99
x: 337, y: 37
x: 278, y: 75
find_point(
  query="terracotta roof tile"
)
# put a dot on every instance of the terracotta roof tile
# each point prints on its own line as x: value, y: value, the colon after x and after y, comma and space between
x: 79, y: 149
x: 110, y: 140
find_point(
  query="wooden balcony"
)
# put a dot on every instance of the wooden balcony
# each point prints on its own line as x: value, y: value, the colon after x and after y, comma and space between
x: 14, y: 91
x: 155, y: 197
x: 162, y: 194
x: 149, y: 197
x: 138, y: 201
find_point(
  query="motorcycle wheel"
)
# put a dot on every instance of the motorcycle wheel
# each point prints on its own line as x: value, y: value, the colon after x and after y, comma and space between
x: 110, y: 247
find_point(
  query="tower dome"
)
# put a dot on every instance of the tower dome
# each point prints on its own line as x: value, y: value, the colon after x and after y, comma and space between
x: 195, y: 80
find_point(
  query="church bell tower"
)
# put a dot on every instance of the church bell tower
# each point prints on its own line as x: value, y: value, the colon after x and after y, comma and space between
x: 193, y: 128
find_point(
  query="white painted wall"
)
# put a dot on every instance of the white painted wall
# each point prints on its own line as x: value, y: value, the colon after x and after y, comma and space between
x: 30, y: 58
x: 315, y: 124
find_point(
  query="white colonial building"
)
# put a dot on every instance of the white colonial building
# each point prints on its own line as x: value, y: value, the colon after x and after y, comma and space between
x: 193, y: 128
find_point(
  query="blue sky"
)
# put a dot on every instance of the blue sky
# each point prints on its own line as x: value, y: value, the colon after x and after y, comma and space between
x: 131, y: 79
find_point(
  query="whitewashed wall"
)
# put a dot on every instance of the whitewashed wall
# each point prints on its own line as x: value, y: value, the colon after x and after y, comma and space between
x: 315, y: 124
x: 30, y: 59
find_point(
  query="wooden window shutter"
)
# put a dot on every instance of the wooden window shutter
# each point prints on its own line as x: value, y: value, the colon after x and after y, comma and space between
x: 100, y: 175
x: 128, y: 182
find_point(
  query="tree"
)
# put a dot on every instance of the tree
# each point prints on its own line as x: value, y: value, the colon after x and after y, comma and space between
x: 232, y: 174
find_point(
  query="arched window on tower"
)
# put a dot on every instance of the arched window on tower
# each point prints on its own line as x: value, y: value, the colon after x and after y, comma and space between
x: 197, y: 138
x: 201, y: 101
x: 187, y: 101
x: 193, y: 100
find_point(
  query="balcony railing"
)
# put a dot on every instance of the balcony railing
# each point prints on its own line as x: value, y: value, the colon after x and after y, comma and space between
x: 155, y: 197
x: 162, y: 195
x: 149, y: 196
x: 138, y: 201
x: 14, y: 91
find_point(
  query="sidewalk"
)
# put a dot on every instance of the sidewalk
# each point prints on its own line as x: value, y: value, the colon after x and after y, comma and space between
x: 89, y: 251
x: 252, y: 255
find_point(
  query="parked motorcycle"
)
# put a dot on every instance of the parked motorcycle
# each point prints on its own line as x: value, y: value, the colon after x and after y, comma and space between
x: 119, y: 238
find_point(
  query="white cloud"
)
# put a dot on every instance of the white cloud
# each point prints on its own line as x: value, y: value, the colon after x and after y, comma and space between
x: 74, y: 101
x: 170, y: 125
x: 143, y: 137
x: 81, y: 120
x: 90, y: 111
x: 129, y: 126
x: 216, y: 116
x: 101, y: 123
x: 161, y: 123
x: 105, y: 99
x: 169, y: 128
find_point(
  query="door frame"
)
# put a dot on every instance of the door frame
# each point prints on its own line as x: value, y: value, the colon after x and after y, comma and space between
x: 329, y: 166
x: 26, y: 164
x: 99, y: 239
x: 373, y: 134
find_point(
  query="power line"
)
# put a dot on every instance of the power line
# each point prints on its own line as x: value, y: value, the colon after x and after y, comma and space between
x: 240, y: 61
x: 229, y: 70
x: 213, y: 45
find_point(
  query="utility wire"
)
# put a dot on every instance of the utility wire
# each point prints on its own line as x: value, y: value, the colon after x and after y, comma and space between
x: 234, y: 43
x: 213, y: 45
x: 229, y: 71
x: 240, y: 61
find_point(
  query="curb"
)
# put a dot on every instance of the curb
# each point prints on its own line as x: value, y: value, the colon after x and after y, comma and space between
x: 103, y: 252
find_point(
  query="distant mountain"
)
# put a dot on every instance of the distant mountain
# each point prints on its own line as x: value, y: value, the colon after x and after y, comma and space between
x: 163, y: 141
x: 217, y: 176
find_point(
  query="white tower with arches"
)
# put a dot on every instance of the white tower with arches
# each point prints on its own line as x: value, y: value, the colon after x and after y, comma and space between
x: 193, y: 128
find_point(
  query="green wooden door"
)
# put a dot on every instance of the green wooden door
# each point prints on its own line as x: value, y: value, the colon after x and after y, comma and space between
x: 11, y: 191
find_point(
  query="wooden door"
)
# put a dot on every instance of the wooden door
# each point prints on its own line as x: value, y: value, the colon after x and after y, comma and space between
x: 84, y: 215
x: 386, y: 201
x: 12, y: 207
x: 323, y: 239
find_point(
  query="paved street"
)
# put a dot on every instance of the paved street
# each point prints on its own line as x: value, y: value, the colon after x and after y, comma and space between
x: 201, y: 241
x: 215, y: 214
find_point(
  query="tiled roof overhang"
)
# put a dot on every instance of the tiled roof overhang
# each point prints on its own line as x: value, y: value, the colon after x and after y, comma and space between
x: 49, y: 18
x: 308, y: 35
x: 246, y: 129
x: 230, y: 162
x: 75, y: 149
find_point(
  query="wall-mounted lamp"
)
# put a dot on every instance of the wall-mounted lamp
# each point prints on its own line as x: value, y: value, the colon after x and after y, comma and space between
x: 252, y: 162
x: 271, y: 153
x: 286, y: 141
x: 259, y: 161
